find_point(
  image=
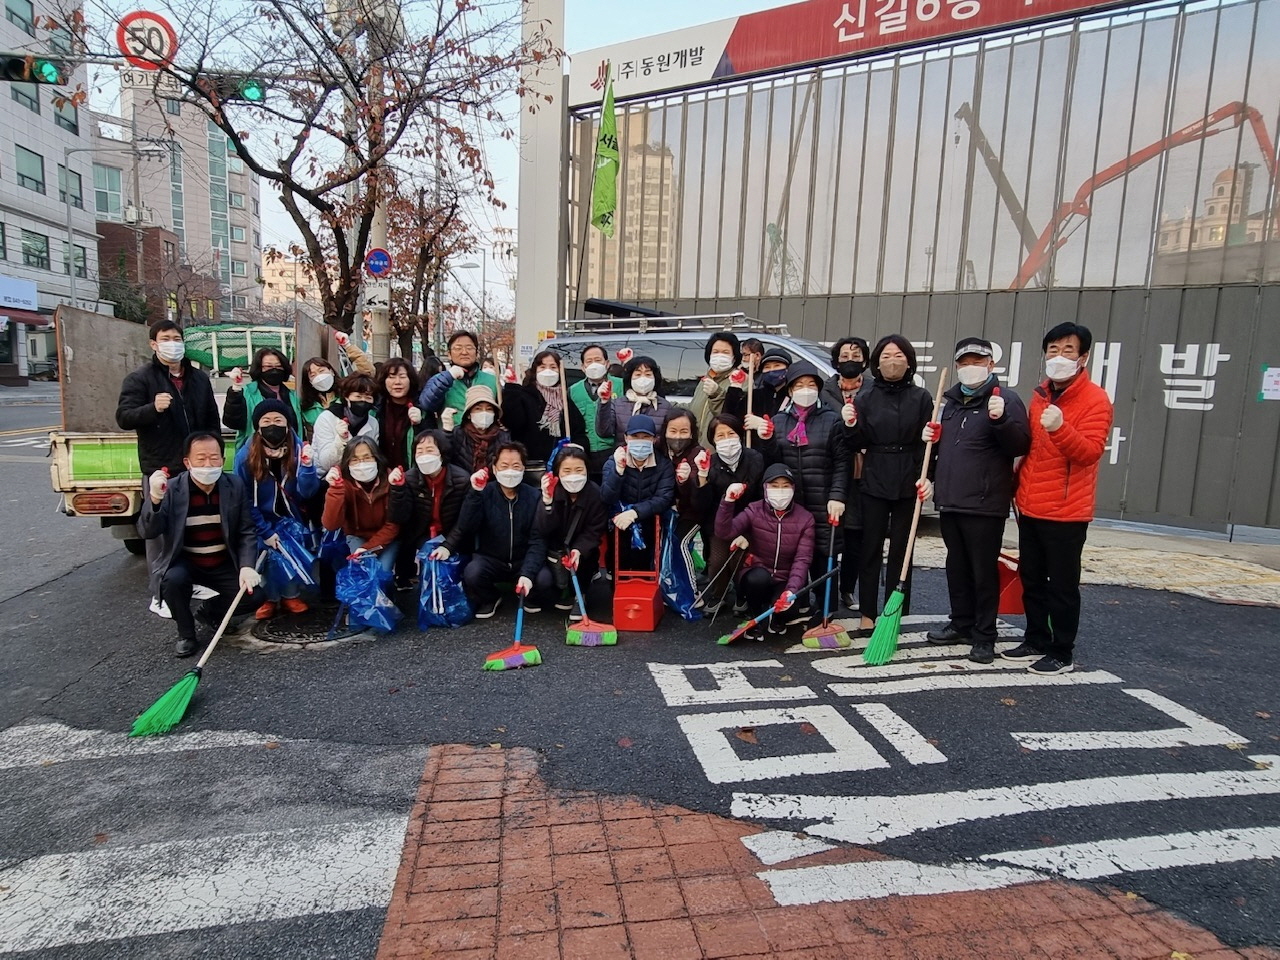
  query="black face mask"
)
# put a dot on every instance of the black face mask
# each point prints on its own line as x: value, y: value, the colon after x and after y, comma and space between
x: 774, y: 379
x: 273, y: 377
x: 678, y: 445
x: 274, y: 435
x: 359, y: 408
x: 851, y: 369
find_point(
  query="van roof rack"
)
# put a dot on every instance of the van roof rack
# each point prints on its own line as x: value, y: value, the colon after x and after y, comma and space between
x: 668, y: 324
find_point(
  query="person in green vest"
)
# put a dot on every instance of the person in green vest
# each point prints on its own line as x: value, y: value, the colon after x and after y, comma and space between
x: 267, y: 375
x: 585, y: 395
x: 445, y: 394
x: 318, y: 381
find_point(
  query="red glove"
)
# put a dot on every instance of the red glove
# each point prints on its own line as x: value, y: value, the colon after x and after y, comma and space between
x: 237, y: 377
x: 509, y: 374
x: 767, y: 432
x: 305, y: 457
x: 924, y: 490
x: 738, y: 378
x: 735, y: 491
x: 605, y: 392
x: 932, y: 432
x: 479, y: 479
x: 341, y: 338
x: 703, y: 460
x: 784, y: 602
x: 625, y: 354
x: 548, y: 484
x: 333, y: 478
x: 571, y: 560
x: 396, y: 477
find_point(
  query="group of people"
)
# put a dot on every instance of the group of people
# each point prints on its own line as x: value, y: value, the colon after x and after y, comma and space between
x: 780, y: 472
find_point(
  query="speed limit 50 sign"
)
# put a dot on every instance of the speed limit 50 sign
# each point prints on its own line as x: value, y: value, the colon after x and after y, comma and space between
x: 147, y: 40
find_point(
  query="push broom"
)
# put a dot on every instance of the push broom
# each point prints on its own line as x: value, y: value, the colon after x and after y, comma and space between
x: 518, y: 654
x: 167, y: 712
x: 761, y: 618
x: 827, y: 635
x: 884, y: 639
x: 587, y: 632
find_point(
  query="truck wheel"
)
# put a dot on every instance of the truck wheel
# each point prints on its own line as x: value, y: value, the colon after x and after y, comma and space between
x: 137, y: 547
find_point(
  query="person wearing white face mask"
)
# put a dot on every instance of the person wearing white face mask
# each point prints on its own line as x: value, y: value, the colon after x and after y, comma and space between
x: 358, y: 501
x: 983, y: 430
x: 638, y: 486
x: 478, y: 433
x: 641, y: 385
x: 585, y: 396
x: 165, y: 401
x: 534, y: 411
x: 1057, y: 484
x: 498, y: 528
x: 723, y: 355
x: 430, y: 501
x: 204, y: 518
x: 732, y: 462
x: 572, y: 519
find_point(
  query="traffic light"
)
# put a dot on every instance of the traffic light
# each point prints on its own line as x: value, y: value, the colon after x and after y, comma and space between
x: 33, y: 68
x: 236, y: 86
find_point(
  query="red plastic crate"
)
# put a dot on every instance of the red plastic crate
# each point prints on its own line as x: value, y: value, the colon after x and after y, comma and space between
x: 1010, y: 586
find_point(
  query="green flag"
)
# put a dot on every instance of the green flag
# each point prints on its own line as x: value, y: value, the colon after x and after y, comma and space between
x: 604, y: 189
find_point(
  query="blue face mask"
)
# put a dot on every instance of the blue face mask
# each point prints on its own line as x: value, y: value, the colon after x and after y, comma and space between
x: 774, y: 378
x: 640, y: 449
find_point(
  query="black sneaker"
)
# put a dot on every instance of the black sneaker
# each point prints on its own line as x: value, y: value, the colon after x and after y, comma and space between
x: 185, y: 647
x: 574, y: 616
x: 849, y: 601
x: 947, y: 636
x: 530, y: 608
x: 1023, y: 651
x: 1050, y: 667
x: 489, y: 609
x: 983, y: 653
x: 565, y: 604
x: 755, y: 633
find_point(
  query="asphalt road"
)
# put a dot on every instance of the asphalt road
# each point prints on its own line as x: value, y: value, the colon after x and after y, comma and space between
x: 333, y: 743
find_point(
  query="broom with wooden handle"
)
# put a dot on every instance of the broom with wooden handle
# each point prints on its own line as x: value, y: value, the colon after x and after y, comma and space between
x: 884, y: 639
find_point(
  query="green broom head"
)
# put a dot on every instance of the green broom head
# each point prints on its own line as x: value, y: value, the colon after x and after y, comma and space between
x: 588, y: 633
x: 826, y: 636
x: 514, y: 657
x: 167, y: 712
x: 728, y: 638
x: 884, y: 639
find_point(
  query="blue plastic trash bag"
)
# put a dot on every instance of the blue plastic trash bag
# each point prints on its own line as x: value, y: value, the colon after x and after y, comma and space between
x: 359, y: 586
x: 637, y: 535
x: 293, y: 562
x: 675, y: 571
x: 442, y: 602
x: 334, y: 549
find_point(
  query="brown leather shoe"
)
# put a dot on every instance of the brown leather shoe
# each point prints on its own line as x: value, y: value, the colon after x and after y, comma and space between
x: 294, y: 605
x: 266, y: 611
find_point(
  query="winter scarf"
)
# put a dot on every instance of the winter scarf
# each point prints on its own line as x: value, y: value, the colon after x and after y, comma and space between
x: 799, y: 436
x: 640, y: 401
x: 481, y: 441
x: 553, y: 413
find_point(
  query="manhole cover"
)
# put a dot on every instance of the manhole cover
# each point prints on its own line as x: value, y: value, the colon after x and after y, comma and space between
x: 315, y: 626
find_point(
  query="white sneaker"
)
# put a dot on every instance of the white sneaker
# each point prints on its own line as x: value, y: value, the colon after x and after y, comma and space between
x: 199, y: 592
x: 160, y: 608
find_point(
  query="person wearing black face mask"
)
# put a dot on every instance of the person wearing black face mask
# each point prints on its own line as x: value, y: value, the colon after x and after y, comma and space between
x: 849, y: 357
x: 278, y: 472
x: 345, y: 419
x: 267, y: 375
x: 769, y: 393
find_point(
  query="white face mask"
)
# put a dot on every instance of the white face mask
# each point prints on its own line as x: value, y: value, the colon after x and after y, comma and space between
x: 779, y: 497
x: 509, y: 478
x: 483, y: 419
x: 1058, y: 369
x: 171, y: 351
x: 721, y: 362
x: 429, y: 464
x: 206, y: 475
x: 729, y: 449
x: 642, y: 385
x: 596, y: 371
x: 323, y: 382
x: 804, y: 396
x: 548, y: 378
x: 574, y: 482
x: 364, y: 472
x: 972, y: 375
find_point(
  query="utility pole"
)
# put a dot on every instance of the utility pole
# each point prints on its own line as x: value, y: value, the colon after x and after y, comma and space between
x: 137, y: 201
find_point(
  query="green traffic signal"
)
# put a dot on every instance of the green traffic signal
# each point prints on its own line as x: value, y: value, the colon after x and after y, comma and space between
x: 26, y: 68
x: 45, y: 71
x: 253, y: 90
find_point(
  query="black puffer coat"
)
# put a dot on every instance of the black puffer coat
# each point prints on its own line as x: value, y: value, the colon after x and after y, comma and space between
x: 973, y: 470
x: 719, y: 478
x: 573, y: 524
x: 522, y: 408
x: 822, y: 466
x: 412, y: 507
x: 650, y: 492
x: 891, y: 417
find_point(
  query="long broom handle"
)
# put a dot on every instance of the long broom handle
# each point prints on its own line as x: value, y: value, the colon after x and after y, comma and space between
x: 226, y: 618
x: 751, y: 380
x: 564, y: 402
x: 768, y: 613
x: 924, y: 475
x: 577, y: 589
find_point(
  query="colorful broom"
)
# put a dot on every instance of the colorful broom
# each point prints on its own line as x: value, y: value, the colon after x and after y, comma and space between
x: 587, y: 632
x: 884, y: 639
x: 756, y: 621
x: 167, y: 712
x: 518, y: 654
x: 827, y: 635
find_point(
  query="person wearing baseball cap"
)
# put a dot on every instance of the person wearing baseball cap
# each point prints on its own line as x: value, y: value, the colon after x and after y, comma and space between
x: 638, y: 486
x: 982, y: 431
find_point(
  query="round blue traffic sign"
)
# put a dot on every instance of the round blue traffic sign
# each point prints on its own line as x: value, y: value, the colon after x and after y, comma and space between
x: 378, y: 262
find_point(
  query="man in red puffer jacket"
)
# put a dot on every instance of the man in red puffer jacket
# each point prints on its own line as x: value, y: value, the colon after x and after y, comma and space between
x: 1057, y: 482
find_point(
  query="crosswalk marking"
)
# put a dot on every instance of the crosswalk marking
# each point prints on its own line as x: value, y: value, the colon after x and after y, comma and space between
x: 1198, y: 732
x: 38, y: 744
x: 25, y: 442
x: 886, y: 878
x: 779, y: 846
x: 968, y: 681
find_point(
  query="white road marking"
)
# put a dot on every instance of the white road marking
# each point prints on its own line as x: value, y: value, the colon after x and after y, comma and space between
x: 874, y: 819
x: 707, y: 735
x: 874, y: 879
x: 968, y: 681
x: 1199, y: 731
x: 850, y: 663
x: 1105, y: 858
x: 1004, y: 630
x: 109, y: 894
x: 779, y: 846
x: 923, y: 663
x: 902, y: 736
x: 42, y: 744
x: 26, y: 442
x: 732, y: 685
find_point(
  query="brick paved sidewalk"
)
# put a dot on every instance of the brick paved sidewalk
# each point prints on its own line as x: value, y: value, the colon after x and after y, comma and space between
x: 496, y: 865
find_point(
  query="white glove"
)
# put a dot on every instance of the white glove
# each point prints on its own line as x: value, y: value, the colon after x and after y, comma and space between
x: 1051, y: 419
x: 835, y: 510
x: 479, y: 479
x: 158, y: 484
x: 305, y: 458
x: 447, y: 417
x: 249, y: 579
x: 457, y: 372
x: 703, y: 460
x: 734, y: 492
x: 341, y: 339
x: 995, y: 406
x: 440, y: 553
x: 273, y: 541
x: 523, y: 586
x: 710, y: 387
x: 415, y: 415
x: 625, y: 519
x: 620, y: 460
x: 572, y: 560
x: 334, y: 477
x: 849, y: 414
x: 237, y: 378
x: 763, y: 426
x: 344, y: 431
x: 684, y: 471
x: 739, y: 543
x: 924, y: 490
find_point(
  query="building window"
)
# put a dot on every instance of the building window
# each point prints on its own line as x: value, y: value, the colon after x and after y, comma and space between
x: 30, y: 169
x: 35, y: 249
x: 1215, y: 234
x: 237, y: 234
x: 70, y: 187
x: 235, y: 164
x: 170, y: 252
x: 66, y: 115
x: 4, y: 244
x: 256, y: 211
x: 236, y: 200
x: 173, y: 107
x: 22, y: 13
x: 106, y: 192
x: 1222, y: 191
x: 27, y: 94
x: 257, y: 236
x: 239, y: 268
x: 239, y: 303
x: 81, y: 261
x: 61, y: 41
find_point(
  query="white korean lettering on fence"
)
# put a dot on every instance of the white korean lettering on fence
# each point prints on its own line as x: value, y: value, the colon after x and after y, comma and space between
x: 1008, y: 372
x: 1189, y: 384
x: 1104, y: 366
